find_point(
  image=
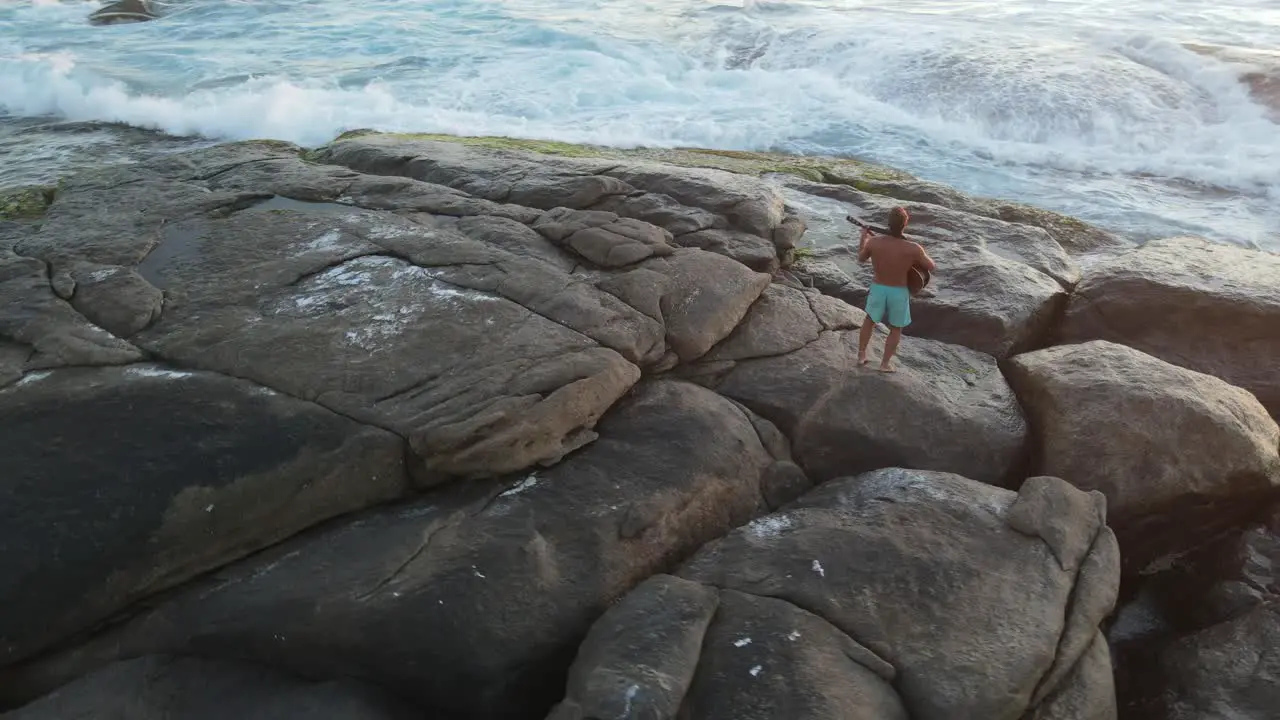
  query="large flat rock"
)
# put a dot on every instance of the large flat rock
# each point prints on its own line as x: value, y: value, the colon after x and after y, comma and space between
x: 472, y: 600
x: 998, y: 288
x: 1107, y: 417
x: 120, y: 482
x: 793, y: 360
x: 477, y: 315
x: 1206, y: 306
x: 889, y: 595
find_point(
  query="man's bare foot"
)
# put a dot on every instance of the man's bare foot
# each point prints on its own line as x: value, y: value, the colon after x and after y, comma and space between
x: 888, y: 369
x: 863, y: 360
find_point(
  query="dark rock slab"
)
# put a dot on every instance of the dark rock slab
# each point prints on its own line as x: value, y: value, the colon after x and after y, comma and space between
x: 120, y: 482
x: 889, y: 595
x: 115, y: 216
x: 123, y: 12
x: 1230, y: 670
x: 168, y: 688
x: 282, y: 171
x: 406, y: 194
x: 472, y: 600
x: 1196, y: 636
x: 1152, y: 297
x: 1107, y: 417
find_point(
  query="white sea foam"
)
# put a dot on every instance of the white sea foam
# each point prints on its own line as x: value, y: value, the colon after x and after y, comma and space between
x: 1087, y: 109
x: 32, y: 377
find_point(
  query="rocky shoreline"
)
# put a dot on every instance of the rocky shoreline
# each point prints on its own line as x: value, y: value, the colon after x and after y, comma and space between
x: 419, y: 426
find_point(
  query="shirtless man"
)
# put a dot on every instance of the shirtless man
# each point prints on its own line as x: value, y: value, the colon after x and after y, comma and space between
x: 892, y: 256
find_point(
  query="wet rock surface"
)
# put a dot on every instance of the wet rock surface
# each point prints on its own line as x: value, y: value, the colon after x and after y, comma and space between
x: 408, y: 424
x: 855, y: 601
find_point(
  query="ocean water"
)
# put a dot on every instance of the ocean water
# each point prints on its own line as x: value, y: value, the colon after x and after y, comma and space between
x: 1151, y: 117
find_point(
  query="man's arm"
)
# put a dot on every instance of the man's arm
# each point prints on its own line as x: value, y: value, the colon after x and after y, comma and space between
x: 864, y: 250
x: 924, y: 260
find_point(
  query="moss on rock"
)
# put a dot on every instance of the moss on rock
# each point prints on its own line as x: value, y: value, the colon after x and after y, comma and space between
x: 542, y: 147
x: 742, y: 162
x: 272, y: 145
x: 26, y: 203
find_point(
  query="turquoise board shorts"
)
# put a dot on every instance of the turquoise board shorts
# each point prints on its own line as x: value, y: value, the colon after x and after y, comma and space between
x: 896, y: 300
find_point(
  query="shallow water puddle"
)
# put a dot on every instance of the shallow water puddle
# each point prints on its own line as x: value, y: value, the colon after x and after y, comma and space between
x: 280, y: 203
x: 179, y: 245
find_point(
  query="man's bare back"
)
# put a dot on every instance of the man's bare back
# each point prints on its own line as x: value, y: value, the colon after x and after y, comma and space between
x: 893, y: 257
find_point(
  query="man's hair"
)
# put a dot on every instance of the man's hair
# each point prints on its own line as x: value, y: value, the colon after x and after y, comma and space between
x: 898, y: 218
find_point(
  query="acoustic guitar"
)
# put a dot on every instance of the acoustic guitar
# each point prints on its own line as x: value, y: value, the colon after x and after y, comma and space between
x: 917, y: 278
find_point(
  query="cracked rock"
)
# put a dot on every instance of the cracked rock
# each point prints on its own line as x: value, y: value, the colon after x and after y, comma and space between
x: 32, y: 316
x: 888, y: 595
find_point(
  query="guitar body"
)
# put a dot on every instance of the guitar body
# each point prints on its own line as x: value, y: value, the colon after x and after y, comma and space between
x: 917, y: 279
